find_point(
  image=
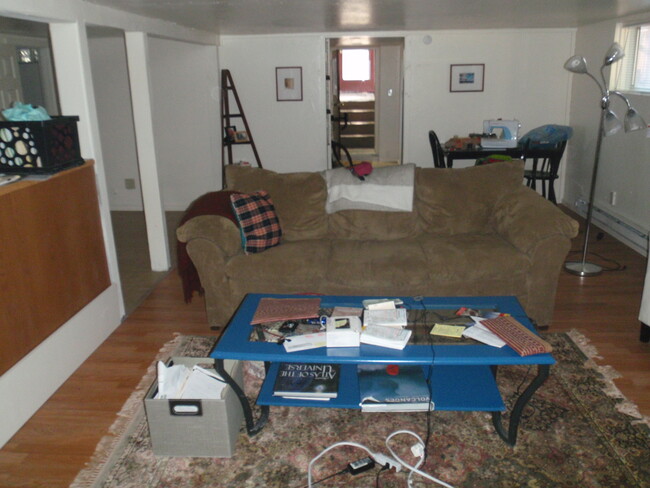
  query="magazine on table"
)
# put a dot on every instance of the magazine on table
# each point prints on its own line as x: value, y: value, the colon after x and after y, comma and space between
x: 393, y: 388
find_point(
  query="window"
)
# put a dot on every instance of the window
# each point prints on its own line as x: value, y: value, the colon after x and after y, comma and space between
x: 355, y: 65
x: 27, y: 55
x: 633, y: 74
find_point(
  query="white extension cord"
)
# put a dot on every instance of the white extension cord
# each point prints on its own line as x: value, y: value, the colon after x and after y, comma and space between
x: 392, y: 461
x: 417, y: 450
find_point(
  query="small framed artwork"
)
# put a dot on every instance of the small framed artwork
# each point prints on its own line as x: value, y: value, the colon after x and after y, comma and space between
x: 288, y: 84
x: 231, y: 130
x: 241, y: 136
x: 466, y: 77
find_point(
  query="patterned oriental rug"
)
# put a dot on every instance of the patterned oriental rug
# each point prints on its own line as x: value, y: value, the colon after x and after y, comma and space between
x: 577, y: 431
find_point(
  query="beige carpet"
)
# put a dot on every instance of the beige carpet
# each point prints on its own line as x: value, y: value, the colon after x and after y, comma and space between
x: 133, y: 254
x: 578, y: 431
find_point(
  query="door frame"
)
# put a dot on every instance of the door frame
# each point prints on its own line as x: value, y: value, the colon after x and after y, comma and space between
x: 334, y: 44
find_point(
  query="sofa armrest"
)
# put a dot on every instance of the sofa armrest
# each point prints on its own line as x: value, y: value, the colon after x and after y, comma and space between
x: 219, y: 230
x: 211, y: 241
x: 542, y: 232
x: 525, y: 219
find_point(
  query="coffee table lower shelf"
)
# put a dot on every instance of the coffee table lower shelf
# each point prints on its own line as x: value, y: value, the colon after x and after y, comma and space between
x: 461, y: 388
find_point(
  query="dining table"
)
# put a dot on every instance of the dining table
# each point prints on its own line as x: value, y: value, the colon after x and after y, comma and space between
x: 517, y: 152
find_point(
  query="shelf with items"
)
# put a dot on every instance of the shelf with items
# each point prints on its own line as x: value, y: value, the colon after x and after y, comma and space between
x: 479, y: 392
x: 229, y: 133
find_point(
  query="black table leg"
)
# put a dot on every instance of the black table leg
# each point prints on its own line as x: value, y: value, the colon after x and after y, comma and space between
x: 645, y: 333
x: 510, y: 437
x: 252, y: 426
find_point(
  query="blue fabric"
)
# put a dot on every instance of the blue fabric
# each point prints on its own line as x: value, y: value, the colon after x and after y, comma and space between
x: 546, y: 136
x: 24, y: 112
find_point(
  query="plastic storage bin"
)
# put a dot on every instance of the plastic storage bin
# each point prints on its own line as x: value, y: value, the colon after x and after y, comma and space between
x: 39, y: 147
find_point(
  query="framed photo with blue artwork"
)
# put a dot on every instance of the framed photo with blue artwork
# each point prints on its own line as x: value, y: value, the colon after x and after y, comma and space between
x: 466, y: 77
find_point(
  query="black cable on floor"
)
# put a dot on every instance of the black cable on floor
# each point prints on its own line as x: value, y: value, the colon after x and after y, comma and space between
x: 343, y: 471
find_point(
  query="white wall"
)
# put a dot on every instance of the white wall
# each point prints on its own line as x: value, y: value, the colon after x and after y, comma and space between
x: 624, y: 162
x: 185, y: 100
x: 289, y: 136
x: 113, y: 100
x: 28, y: 384
x: 524, y: 79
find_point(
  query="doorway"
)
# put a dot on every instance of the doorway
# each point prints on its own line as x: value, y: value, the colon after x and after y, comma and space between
x: 365, y: 97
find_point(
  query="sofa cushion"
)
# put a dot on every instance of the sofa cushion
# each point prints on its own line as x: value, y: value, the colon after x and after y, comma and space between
x: 299, y: 198
x: 259, y: 225
x: 293, y: 266
x: 460, y: 201
x: 371, y: 225
x: 475, y: 264
x: 372, y: 266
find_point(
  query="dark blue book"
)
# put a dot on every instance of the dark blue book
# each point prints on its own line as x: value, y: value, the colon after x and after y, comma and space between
x: 307, y: 380
x: 393, y: 388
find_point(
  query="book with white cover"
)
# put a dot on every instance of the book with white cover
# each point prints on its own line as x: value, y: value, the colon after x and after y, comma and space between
x: 396, y: 317
x: 379, y: 335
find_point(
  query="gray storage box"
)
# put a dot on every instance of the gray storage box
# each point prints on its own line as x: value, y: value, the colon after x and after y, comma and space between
x: 212, y: 431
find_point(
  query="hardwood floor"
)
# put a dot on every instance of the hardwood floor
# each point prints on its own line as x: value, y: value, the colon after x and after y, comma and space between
x: 54, y: 445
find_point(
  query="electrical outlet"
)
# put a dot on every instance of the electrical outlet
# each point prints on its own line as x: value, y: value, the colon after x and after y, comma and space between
x: 612, y: 198
x: 129, y: 183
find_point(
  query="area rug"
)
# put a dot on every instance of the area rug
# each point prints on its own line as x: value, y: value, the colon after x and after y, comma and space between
x: 578, y: 431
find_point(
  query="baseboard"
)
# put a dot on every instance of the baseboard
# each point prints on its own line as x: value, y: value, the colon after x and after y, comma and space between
x: 31, y: 381
x: 631, y: 234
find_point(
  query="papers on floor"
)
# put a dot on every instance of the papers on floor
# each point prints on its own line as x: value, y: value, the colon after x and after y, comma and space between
x: 181, y: 382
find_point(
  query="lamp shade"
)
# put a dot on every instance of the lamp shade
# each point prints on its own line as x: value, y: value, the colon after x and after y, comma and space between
x: 633, y: 121
x: 576, y: 64
x: 614, y: 53
x: 611, y: 124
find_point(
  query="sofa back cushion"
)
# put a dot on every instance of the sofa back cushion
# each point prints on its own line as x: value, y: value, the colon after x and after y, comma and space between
x: 299, y: 198
x: 459, y: 201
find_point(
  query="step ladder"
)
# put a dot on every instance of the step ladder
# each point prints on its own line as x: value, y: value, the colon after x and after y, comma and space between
x: 230, y: 140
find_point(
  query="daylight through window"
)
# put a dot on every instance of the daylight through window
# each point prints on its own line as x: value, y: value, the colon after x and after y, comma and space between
x: 634, y: 71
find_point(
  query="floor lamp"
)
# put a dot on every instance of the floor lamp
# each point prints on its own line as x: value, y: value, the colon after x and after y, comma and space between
x: 609, y: 125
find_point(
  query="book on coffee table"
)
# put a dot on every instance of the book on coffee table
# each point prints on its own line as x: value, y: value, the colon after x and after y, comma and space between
x: 311, y: 381
x: 277, y: 309
x: 393, y: 388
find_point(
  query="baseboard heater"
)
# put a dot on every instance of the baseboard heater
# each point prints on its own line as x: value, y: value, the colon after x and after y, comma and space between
x: 625, y: 232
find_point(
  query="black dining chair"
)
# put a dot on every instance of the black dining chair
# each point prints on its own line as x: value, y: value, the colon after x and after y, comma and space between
x: 545, y: 170
x: 436, y: 148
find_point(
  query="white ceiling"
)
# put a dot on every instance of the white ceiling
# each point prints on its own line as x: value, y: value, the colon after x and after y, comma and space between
x: 232, y: 17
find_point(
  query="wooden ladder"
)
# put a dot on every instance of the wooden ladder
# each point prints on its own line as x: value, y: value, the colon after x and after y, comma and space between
x: 228, y: 141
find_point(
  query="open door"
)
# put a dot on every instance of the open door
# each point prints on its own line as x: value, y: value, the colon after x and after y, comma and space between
x: 336, y: 122
x: 365, y: 97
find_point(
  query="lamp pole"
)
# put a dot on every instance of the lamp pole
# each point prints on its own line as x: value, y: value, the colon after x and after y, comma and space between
x: 584, y: 268
x: 609, y: 124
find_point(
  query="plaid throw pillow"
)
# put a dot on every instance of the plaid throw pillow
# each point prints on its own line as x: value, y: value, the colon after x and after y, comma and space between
x: 258, y: 223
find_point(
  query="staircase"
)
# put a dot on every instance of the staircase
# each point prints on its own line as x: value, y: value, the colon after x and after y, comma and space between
x: 360, y: 132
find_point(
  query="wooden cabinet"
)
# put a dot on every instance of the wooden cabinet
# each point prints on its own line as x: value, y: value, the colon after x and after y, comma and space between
x: 52, y: 257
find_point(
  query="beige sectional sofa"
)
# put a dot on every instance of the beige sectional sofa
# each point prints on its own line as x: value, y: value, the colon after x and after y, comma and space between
x: 472, y: 231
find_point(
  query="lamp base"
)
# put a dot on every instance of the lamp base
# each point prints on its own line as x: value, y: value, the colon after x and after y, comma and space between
x: 584, y: 269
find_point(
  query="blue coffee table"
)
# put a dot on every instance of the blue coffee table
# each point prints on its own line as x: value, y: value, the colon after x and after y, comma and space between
x: 463, y: 374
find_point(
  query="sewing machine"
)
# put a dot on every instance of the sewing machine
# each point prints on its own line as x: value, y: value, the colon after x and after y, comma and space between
x: 500, y: 133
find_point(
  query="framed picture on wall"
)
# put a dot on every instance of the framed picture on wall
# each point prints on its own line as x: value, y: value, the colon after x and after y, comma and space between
x: 466, y: 77
x: 288, y: 84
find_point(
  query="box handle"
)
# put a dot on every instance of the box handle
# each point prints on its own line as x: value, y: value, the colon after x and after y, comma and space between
x: 185, y: 408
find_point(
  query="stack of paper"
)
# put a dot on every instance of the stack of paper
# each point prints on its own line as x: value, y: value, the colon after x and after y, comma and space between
x: 181, y: 382
x: 379, y: 335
